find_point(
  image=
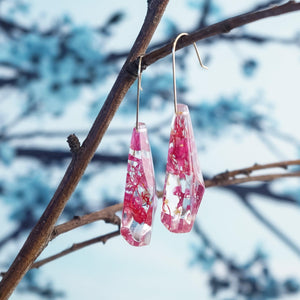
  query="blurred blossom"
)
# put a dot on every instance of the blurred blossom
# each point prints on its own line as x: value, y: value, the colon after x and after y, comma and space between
x: 26, y: 192
x: 249, y: 67
x: 215, y: 10
x: 7, y: 153
x: 53, y: 68
x: 215, y: 117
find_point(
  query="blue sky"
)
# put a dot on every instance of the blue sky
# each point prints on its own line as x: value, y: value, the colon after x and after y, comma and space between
x: 161, y: 271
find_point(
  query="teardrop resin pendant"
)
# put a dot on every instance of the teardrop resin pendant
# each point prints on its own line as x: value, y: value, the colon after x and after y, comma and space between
x: 140, y: 191
x: 184, y: 185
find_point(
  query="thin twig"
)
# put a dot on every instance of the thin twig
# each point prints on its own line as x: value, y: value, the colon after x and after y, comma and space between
x: 268, y: 177
x: 107, y: 214
x: 75, y: 247
x: 256, y: 167
x: 101, y: 239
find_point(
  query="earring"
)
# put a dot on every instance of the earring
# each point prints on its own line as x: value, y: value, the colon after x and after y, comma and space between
x: 184, y: 185
x: 140, y: 191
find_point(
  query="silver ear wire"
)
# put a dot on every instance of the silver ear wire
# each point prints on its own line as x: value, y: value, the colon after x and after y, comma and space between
x: 174, y: 71
x: 139, y: 88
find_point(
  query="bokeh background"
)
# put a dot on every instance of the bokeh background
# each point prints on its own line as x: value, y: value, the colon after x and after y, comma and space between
x: 58, y: 61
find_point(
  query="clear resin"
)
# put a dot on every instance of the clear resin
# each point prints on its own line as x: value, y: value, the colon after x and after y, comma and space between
x: 140, y: 191
x: 184, y: 185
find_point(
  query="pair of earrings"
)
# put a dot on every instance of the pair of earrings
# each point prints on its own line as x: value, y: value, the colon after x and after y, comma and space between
x: 184, y: 185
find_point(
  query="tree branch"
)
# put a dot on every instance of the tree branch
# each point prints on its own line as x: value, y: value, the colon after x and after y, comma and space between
x: 266, y: 5
x: 10, y: 27
x: 101, y: 239
x: 220, y: 28
x: 250, y: 37
x: 41, y: 233
x: 268, y: 177
x: 108, y: 213
x: 39, y: 236
x: 258, y: 39
x: 256, y: 167
x: 229, y: 177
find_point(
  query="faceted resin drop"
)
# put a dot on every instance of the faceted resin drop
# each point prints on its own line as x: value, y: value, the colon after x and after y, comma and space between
x: 184, y: 185
x: 140, y: 191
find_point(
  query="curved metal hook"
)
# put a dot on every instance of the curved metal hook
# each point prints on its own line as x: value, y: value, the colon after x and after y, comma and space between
x: 174, y: 71
x: 139, y: 88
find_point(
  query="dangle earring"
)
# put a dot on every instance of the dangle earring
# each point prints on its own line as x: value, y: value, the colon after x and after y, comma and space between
x: 140, y: 191
x: 184, y: 185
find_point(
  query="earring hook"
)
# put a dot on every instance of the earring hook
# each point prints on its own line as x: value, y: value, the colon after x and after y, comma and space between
x: 174, y: 71
x: 139, y: 88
